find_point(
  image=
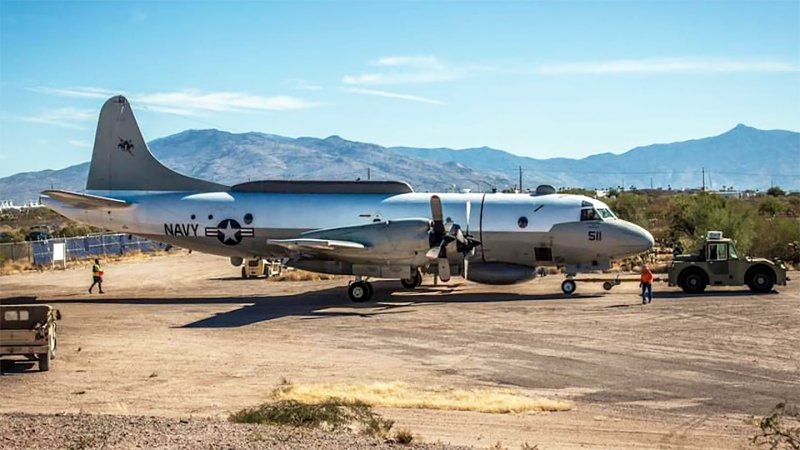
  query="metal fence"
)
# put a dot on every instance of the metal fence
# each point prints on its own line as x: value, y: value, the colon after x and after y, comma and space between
x: 78, y: 248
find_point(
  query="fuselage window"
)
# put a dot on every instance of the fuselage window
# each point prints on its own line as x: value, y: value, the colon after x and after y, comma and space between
x: 248, y: 218
x: 194, y: 216
x: 210, y: 217
x: 589, y: 214
x: 522, y: 222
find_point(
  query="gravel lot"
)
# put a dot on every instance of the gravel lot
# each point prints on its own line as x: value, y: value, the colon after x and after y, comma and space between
x: 84, y: 431
x: 182, y: 336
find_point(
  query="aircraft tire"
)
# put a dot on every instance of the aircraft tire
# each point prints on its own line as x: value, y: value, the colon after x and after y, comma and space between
x: 568, y: 287
x: 413, y: 282
x: 359, y: 291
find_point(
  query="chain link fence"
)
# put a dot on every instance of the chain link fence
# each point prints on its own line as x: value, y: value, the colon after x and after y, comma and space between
x: 78, y: 248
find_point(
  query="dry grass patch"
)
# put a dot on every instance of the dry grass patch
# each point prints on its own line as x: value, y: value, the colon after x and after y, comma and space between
x: 9, y: 267
x: 301, y: 275
x: 401, y: 395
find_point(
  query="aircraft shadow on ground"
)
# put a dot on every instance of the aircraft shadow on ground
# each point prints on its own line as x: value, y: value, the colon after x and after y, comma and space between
x: 389, y: 299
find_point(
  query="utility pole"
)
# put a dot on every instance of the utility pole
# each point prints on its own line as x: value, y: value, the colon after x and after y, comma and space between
x: 520, y: 178
x: 704, y: 179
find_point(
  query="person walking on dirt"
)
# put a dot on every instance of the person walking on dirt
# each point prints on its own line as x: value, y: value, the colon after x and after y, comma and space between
x: 97, y: 276
x: 646, y: 283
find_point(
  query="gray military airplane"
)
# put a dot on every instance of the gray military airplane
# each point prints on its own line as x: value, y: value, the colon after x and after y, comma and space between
x: 373, y: 229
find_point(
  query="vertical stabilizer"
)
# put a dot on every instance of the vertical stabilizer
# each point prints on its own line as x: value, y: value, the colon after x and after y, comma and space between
x: 121, y: 160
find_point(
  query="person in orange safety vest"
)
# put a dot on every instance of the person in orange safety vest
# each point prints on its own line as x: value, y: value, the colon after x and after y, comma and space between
x: 646, y: 283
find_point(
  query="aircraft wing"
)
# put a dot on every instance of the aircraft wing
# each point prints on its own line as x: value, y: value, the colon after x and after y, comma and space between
x: 316, y: 244
x: 85, y: 201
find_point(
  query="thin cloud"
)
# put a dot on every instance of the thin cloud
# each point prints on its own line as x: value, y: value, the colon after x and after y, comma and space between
x: 189, y: 102
x: 406, y: 70
x: 666, y: 65
x: 75, y: 92
x: 71, y: 118
x: 395, y: 95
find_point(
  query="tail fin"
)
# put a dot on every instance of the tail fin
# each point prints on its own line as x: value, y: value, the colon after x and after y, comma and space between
x: 121, y: 160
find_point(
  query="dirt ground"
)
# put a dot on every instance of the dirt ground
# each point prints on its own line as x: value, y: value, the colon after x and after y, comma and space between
x: 183, y: 336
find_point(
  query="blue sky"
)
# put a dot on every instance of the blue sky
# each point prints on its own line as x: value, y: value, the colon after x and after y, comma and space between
x: 541, y: 79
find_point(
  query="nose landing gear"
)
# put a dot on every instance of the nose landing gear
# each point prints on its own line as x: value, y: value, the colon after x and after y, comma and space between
x: 569, y: 286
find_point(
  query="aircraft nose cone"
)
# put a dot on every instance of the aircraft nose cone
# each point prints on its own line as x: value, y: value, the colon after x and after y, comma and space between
x: 637, y: 239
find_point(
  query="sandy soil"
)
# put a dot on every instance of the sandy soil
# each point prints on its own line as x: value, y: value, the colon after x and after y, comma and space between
x: 183, y: 336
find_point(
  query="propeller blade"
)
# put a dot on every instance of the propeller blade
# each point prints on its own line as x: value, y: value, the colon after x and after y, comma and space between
x: 469, y: 209
x: 444, y: 269
x: 436, y: 214
x: 466, y: 268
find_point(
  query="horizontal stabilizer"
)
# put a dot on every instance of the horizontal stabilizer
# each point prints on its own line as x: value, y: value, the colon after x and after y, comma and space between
x: 316, y: 244
x: 85, y: 201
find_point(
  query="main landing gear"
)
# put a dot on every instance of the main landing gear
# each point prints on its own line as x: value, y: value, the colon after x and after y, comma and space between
x: 359, y: 291
x: 413, y: 282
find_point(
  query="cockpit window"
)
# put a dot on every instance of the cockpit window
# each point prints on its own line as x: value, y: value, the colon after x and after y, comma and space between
x: 589, y: 214
x: 606, y: 213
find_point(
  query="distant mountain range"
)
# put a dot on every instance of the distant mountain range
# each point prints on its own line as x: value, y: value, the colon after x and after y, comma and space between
x: 743, y: 157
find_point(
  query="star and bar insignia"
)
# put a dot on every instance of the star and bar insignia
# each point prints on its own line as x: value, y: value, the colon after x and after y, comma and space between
x: 230, y: 232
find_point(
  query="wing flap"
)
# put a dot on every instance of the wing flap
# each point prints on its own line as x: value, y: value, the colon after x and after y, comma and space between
x: 85, y: 201
x: 316, y: 244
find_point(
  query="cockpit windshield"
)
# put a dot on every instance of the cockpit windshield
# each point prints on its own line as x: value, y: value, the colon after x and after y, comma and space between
x: 596, y: 214
x: 589, y: 214
x: 606, y: 213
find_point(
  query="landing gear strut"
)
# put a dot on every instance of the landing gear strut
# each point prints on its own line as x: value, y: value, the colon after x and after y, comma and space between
x: 359, y: 291
x: 413, y: 282
x: 568, y: 286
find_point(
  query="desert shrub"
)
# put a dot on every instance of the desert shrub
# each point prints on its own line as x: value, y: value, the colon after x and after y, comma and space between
x: 773, y: 238
x: 332, y: 414
x: 631, y: 206
x: 773, y: 206
x: 780, y: 429
x: 403, y: 436
x: 73, y: 229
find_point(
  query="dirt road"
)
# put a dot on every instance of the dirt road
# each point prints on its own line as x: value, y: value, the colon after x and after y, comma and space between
x: 183, y: 336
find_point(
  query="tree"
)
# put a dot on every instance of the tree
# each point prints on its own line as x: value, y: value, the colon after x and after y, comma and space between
x: 776, y: 191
